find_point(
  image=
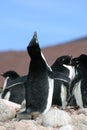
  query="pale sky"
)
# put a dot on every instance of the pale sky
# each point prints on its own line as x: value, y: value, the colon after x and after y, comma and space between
x: 56, y: 22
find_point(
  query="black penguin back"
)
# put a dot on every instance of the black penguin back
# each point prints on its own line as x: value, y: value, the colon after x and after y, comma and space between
x: 37, y: 84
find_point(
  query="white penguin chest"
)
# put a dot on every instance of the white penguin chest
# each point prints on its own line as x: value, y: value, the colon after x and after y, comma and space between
x: 50, y: 94
x: 77, y: 94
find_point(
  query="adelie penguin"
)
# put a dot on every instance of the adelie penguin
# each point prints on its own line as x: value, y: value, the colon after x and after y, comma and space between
x: 61, y: 88
x: 79, y: 83
x: 9, y: 76
x: 16, y: 93
x: 40, y: 83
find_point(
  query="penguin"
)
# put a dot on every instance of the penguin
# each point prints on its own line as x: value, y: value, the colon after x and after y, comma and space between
x: 9, y: 76
x: 14, y: 94
x: 61, y: 88
x: 40, y: 83
x: 79, y: 84
x: 39, y: 86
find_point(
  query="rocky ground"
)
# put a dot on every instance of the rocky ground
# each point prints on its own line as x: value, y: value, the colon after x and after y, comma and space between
x: 55, y: 119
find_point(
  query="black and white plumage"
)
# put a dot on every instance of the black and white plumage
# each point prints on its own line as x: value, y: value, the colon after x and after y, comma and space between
x: 9, y: 76
x: 39, y: 86
x: 40, y: 81
x: 79, y: 84
x: 16, y: 93
x: 61, y: 88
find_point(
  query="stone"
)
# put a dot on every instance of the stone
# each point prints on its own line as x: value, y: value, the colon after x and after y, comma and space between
x: 82, y: 126
x: 8, y: 110
x: 24, y: 125
x: 55, y: 118
x: 2, y: 128
x: 68, y: 127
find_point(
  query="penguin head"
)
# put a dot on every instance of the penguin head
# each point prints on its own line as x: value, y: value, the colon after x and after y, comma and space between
x: 11, y: 74
x: 79, y: 61
x: 83, y: 59
x: 64, y: 59
x: 75, y: 62
x: 33, y: 47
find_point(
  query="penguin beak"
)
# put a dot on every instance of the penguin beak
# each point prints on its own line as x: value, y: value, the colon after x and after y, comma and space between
x: 70, y: 57
x: 33, y: 46
x: 34, y: 40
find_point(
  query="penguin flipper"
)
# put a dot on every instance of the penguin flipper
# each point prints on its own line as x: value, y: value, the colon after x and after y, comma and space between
x: 17, y: 81
x: 58, y: 75
x: 61, y: 76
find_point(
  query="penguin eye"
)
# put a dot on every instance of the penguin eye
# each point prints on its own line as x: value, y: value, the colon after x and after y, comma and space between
x: 63, y: 59
x: 77, y: 62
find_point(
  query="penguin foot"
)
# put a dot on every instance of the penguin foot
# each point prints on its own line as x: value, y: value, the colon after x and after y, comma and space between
x: 35, y: 115
x: 27, y: 115
x: 23, y: 115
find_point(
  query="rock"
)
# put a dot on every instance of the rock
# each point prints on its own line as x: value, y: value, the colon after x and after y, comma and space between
x: 55, y: 118
x: 82, y: 126
x: 2, y: 128
x: 77, y: 119
x: 8, y: 110
x: 24, y: 125
x: 68, y: 127
x: 29, y: 125
x: 82, y: 111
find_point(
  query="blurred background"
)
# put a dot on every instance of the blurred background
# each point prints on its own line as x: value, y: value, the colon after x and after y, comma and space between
x: 61, y: 28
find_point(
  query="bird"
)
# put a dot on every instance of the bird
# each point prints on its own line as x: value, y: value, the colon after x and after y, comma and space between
x: 39, y: 85
x: 61, y: 88
x: 78, y: 88
x: 15, y: 94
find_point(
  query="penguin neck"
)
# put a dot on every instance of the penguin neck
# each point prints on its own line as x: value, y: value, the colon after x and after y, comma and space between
x: 71, y: 71
x: 37, y: 67
x: 38, y: 62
